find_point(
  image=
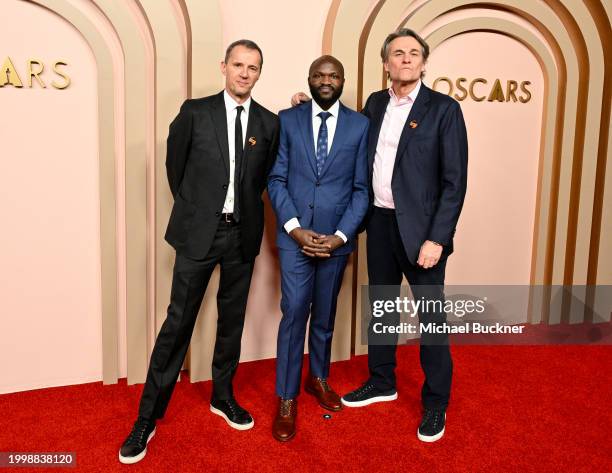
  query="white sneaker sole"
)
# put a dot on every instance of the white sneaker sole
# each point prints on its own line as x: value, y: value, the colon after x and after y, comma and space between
x: 372, y: 400
x: 137, y: 458
x: 431, y: 438
x: 248, y: 426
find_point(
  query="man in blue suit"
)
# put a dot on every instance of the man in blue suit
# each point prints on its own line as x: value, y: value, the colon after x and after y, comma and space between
x: 319, y: 191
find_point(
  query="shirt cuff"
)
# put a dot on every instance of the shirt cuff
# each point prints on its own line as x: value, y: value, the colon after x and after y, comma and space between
x: 292, y: 225
x: 341, y: 235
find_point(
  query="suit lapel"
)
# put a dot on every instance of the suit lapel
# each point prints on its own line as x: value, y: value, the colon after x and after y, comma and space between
x: 378, y: 114
x: 305, y: 126
x: 340, y: 135
x: 219, y: 117
x: 418, y: 111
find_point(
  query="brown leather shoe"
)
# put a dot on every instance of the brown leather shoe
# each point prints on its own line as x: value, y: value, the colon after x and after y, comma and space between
x: 283, y: 428
x: 326, y: 396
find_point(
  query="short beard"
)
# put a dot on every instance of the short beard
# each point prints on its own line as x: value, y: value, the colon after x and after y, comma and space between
x: 325, y: 103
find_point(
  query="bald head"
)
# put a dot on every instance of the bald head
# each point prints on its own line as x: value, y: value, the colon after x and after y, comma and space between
x: 326, y: 59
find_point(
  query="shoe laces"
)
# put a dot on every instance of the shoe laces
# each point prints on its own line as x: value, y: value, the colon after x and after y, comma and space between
x: 364, y: 389
x: 285, y: 407
x: 433, y: 415
x: 233, y: 406
x: 324, y: 384
x: 137, y: 435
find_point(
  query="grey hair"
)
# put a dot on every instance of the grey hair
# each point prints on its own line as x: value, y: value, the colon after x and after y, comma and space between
x: 384, y: 51
x: 247, y: 43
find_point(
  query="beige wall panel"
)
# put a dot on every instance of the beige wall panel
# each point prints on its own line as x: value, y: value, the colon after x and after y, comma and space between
x: 207, y: 46
x: 101, y: 41
x: 505, y: 143
x: 139, y: 144
x: 604, y: 267
x: 585, y: 199
x: 47, y: 274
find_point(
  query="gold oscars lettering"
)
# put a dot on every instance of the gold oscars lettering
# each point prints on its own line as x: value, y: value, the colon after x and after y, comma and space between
x: 35, y: 71
x: 480, y: 89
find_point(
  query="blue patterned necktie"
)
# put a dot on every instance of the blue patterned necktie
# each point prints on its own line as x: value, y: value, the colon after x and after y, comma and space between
x: 322, y: 141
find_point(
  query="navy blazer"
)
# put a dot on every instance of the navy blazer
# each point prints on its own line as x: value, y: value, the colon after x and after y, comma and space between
x: 338, y: 199
x: 430, y: 172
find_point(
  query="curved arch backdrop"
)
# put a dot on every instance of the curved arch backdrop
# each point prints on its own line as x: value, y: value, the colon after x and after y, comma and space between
x: 86, y: 273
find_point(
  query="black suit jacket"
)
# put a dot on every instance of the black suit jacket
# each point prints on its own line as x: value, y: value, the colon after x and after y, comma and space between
x: 197, y: 163
x: 430, y: 172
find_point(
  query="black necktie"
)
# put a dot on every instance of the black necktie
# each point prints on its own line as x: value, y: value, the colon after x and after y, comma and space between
x: 237, y: 161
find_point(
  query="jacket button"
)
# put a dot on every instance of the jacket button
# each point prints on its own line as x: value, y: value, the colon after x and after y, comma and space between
x: 224, y: 186
x: 318, y: 183
x: 217, y: 214
x: 310, y: 206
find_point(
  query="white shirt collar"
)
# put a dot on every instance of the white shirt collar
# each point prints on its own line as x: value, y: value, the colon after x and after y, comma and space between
x: 231, y: 104
x: 334, y: 109
x: 412, y: 95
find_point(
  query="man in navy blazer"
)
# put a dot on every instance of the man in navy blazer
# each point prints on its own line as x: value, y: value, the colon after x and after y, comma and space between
x: 318, y: 187
x: 417, y: 161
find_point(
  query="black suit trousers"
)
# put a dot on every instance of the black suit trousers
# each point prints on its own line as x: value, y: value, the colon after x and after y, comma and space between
x: 387, y: 262
x: 189, y: 282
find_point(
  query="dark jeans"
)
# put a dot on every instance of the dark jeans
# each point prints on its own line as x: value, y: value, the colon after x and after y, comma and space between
x: 387, y: 262
x: 189, y: 283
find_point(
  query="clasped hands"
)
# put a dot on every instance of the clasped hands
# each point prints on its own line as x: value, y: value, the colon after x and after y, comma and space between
x: 314, y: 244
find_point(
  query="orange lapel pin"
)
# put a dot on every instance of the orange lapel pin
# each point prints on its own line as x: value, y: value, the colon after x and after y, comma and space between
x: 252, y: 141
x: 413, y: 124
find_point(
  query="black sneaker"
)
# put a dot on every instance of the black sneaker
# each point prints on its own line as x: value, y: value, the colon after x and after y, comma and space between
x: 134, y: 448
x: 368, y: 394
x: 234, y: 415
x: 432, y: 425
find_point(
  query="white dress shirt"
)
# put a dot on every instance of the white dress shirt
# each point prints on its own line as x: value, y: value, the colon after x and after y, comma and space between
x: 230, y: 112
x: 396, y: 114
x: 331, y: 122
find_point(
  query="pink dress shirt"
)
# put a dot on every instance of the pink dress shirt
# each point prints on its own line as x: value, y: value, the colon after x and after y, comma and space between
x: 393, y: 123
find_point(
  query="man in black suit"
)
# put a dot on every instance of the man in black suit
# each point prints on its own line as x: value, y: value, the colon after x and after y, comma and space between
x: 220, y: 150
x: 417, y: 160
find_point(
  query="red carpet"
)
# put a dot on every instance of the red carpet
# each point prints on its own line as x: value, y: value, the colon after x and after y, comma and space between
x: 514, y: 409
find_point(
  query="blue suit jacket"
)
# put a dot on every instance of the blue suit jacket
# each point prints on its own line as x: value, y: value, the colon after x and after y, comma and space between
x: 337, y: 199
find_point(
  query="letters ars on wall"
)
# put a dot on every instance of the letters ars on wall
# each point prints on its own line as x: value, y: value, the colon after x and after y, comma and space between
x: 34, y: 70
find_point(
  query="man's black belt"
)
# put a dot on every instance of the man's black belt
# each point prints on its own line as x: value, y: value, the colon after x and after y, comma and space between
x: 384, y: 210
